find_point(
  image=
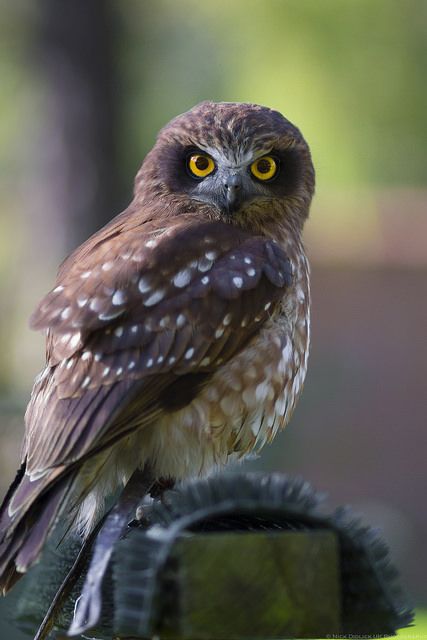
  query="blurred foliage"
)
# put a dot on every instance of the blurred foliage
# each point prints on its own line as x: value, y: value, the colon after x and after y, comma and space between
x: 349, y: 73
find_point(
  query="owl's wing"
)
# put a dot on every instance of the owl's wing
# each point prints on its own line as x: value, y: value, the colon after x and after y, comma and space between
x: 137, y: 314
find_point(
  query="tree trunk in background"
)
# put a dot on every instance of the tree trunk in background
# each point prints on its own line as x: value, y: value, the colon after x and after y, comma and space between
x: 76, y: 41
x: 72, y: 181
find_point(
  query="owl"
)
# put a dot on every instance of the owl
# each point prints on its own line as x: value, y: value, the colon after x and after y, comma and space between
x: 177, y: 335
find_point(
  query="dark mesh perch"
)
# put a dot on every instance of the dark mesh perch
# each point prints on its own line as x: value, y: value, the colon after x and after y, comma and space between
x: 236, y: 556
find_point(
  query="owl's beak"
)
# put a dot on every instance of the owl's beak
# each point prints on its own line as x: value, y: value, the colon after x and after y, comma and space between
x: 233, y: 194
x: 228, y: 191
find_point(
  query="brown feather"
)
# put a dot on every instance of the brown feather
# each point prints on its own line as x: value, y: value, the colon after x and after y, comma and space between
x: 157, y: 352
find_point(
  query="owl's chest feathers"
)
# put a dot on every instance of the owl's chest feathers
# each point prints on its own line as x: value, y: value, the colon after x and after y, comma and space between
x: 247, y: 400
x: 241, y: 408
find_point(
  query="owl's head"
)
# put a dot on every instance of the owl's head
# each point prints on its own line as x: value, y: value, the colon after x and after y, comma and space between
x: 242, y: 163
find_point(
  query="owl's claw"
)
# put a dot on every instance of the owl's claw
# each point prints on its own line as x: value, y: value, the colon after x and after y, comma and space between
x: 139, y: 518
x: 157, y: 491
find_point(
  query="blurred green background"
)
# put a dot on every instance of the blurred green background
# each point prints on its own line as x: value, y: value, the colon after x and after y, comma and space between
x: 84, y: 88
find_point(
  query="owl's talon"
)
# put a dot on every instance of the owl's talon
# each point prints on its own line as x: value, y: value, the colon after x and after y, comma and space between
x: 139, y: 514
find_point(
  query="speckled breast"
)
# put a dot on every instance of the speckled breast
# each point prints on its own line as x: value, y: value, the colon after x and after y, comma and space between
x: 248, y: 400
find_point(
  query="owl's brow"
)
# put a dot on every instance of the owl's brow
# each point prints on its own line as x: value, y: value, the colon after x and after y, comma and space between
x: 235, y: 158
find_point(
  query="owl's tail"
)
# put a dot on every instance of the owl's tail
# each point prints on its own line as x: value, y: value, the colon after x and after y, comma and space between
x: 27, y: 517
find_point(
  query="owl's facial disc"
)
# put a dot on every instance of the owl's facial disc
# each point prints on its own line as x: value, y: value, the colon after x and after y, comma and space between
x: 230, y: 185
x: 240, y: 161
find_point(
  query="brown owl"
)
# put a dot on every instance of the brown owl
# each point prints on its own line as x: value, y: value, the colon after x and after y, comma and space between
x: 177, y: 335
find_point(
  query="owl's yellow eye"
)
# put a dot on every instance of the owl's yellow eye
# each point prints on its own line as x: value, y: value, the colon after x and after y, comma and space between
x: 200, y: 165
x: 264, y: 168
